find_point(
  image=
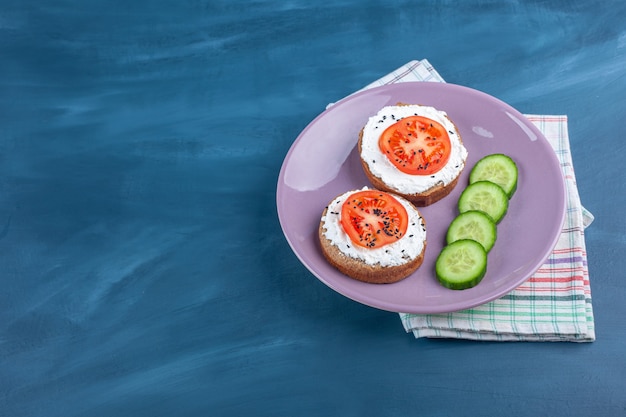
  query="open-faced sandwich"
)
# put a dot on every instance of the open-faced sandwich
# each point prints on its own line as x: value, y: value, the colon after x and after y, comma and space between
x: 412, y: 150
x: 373, y: 236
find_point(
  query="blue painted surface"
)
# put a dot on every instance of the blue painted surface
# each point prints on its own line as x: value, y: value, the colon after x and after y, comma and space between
x: 142, y: 268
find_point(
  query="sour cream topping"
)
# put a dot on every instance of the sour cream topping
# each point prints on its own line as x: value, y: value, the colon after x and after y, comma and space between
x: 406, y: 248
x: 382, y: 168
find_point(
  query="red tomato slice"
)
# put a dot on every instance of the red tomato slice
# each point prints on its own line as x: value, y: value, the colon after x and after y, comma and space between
x: 416, y: 145
x: 373, y: 218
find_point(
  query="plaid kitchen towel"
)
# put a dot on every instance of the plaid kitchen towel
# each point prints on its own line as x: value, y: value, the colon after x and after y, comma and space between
x: 554, y: 304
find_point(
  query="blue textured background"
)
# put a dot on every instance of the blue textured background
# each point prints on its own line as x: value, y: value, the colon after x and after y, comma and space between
x: 142, y: 268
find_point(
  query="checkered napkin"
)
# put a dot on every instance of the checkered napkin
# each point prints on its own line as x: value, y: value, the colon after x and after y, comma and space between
x: 554, y: 304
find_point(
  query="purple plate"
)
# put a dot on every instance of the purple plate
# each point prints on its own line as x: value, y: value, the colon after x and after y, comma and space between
x: 323, y: 162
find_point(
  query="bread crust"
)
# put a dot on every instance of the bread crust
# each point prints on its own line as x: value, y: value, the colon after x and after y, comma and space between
x: 359, y: 270
x: 422, y: 199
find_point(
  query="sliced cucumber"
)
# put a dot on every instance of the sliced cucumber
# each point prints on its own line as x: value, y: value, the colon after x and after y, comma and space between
x: 487, y: 197
x: 461, y: 264
x: 474, y: 225
x: 498, y: 168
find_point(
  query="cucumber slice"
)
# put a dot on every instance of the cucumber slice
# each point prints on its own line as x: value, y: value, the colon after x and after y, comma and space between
x: 487, y: 197
x: 461, y: 264
x: 497, y: 168
x: 474, y: 225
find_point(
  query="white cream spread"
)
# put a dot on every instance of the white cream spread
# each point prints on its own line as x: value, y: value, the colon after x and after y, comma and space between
x: 382, y: 168
x: 400, y: 252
